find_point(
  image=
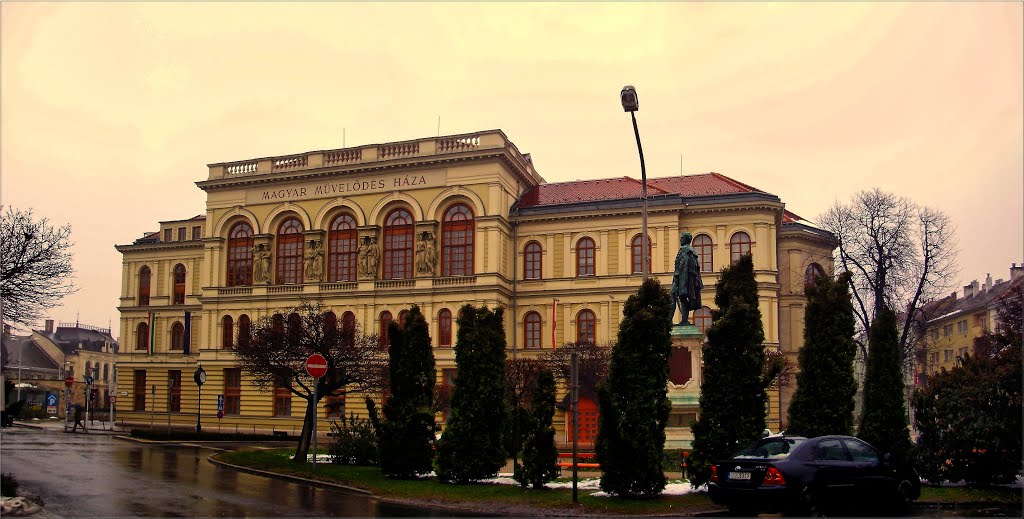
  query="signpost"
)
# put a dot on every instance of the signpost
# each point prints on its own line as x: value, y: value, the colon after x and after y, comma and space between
x: 316, y: 366
x: 88, y: 393
x: 68, y: 382
x: 220, y: 410
x: 51, y: 403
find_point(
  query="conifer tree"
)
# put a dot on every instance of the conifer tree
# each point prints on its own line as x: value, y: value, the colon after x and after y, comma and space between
x: 825, y: 385
x: 407, y: 432
x: 471, y: 447
x: 634, y: 405
x: 884, y: 422
x: 540, y: 456
x: 733, y: 395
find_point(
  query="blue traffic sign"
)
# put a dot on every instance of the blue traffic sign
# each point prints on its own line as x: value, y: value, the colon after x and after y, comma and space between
x: 220, y: 403
x: 51, y: 399
x: 88, y: 380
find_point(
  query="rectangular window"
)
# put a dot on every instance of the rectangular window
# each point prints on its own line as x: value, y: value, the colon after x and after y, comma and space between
x: 334, y: 406
x: 947, y: 355
x: 174, y: 390
x: 232, y: 391
x: 282, y: 400
x: 181, y: 234
x: 197, y: 232
x: 139, y: 393
x: 947, y: 330
x: 935, y: 334
x: 167, y: 234
x: 961, y: 327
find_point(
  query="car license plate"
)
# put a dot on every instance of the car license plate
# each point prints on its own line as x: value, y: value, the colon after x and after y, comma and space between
x: 739, y: 476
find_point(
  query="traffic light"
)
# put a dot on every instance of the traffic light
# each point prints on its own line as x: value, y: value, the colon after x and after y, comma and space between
x: 93, y: 394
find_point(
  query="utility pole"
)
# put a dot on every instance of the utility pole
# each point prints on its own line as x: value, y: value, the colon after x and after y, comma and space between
x: 574, y: 404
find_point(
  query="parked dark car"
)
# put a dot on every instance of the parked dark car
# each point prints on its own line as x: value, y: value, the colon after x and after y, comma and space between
x: 804, y: 476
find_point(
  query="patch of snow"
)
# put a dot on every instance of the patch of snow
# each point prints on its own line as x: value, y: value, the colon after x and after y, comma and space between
x: 675, y: 487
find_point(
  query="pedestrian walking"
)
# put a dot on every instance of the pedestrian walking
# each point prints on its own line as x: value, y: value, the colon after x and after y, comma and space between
x: 78, y: 418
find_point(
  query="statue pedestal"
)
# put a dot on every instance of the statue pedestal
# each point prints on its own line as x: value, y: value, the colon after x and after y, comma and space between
x: 684, y: 391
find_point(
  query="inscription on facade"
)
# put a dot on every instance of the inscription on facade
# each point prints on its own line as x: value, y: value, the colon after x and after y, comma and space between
x: 347, y: 187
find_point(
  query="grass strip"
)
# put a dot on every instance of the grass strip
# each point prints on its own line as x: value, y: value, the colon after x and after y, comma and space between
x: 493, y: 498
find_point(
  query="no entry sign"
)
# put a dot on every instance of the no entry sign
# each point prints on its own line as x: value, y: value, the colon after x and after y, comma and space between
x: 70, y: 381
x: 316, y: 365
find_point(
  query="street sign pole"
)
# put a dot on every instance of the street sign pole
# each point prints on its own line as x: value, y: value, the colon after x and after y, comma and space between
x: 170, y: 389
x: 316, y: 367
x: 152, y: 408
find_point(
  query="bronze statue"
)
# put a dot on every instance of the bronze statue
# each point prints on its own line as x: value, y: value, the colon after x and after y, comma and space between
x: 686, y: 281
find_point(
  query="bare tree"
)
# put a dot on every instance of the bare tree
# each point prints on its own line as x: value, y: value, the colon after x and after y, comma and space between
x: 593, y: 363
x: 279, y: 347
x: 35, y: 266
x: 900, y: 255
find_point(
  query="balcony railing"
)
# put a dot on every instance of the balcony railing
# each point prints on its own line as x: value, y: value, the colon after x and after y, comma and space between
x: 397, y: 283
x: 365, y: 154
x: 283, y: 289
x: 455, y: 280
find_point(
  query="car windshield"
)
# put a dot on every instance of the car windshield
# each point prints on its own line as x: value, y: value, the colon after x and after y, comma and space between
x: 769, y: 448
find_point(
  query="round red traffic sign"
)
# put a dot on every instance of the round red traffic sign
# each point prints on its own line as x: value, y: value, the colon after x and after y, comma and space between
x: 316, y: 365
x: 70, y: 381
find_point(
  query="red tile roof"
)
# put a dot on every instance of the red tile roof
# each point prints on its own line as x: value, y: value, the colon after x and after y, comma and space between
x: 702, y: 185
x: 621, y: 188
x: 586, y: 191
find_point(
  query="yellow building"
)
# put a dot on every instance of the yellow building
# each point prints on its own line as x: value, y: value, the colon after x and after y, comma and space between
x: 953, y: 323
x: 439, y: 222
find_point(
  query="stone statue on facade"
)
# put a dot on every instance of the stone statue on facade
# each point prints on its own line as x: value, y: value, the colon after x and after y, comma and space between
x: 426, y: 254
x: 686, y: 281
x: 369, y: 257
x: 314, y: 256
x: 260, y: 264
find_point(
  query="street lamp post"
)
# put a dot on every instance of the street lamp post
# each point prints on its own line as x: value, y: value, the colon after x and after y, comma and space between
x: 631, y: 104
x: 200, y: 378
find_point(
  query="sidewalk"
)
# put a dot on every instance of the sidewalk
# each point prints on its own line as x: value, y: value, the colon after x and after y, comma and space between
x: 96, y: 427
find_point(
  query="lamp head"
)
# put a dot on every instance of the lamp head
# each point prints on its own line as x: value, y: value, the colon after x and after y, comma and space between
x: 630, y: 103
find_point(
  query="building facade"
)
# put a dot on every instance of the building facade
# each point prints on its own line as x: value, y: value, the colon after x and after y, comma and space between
x: 953, y: 323
x: 436, y: 222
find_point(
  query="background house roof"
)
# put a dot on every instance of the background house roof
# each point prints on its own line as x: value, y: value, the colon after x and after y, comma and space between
x: 605, y: 189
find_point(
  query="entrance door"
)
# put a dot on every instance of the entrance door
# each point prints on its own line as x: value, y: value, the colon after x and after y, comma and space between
x: 587, y: 420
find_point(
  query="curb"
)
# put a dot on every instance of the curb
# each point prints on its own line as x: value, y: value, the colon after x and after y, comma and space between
x: 289, y: 477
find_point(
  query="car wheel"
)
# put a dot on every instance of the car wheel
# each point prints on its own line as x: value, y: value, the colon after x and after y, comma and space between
x: 904, y: 496
x: 808, y: 505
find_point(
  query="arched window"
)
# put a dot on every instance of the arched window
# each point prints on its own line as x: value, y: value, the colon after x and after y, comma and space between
x: 106, y: 372
x: 403, y: 316
x: 330, y: 322
x: 585, y: 257
x: 177, y: 336
x: 532, y: 255
x: 702, y: 318
x: 342, y: 249
x: 240, y: 255
x: 531, y: 330
x: 142, y: 337
x: 813, y: 272
x: 385, y: 319
x: 227, y: 340
x: 398, y: 238
x: 457, y: 241
x: 88, y: 368
x: 144, y: 275
x: 444, y: 327
x: 705, y: 252
x: 637, y: 255
x: 277, y: 323
x: 244, y: 330
x: 294, y: 327
x: 739, y: 245
x: 348, y: 324
x: 586, y: 327
x: 179, y: 284
x: 290, y: 248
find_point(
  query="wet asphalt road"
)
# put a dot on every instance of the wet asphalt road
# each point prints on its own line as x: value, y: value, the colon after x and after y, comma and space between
x: 96, y: 475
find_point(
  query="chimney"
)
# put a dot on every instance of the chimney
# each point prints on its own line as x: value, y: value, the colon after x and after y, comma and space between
x: 988, y: 281
x: 975, y: 287
x: 49, y: 326
x: 968, y: 291
x: 1016, y: 271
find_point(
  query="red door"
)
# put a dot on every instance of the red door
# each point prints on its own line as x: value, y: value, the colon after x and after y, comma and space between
x: 587, y: 420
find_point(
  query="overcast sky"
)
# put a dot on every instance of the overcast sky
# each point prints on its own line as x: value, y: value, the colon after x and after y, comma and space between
x: 110, y: 112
